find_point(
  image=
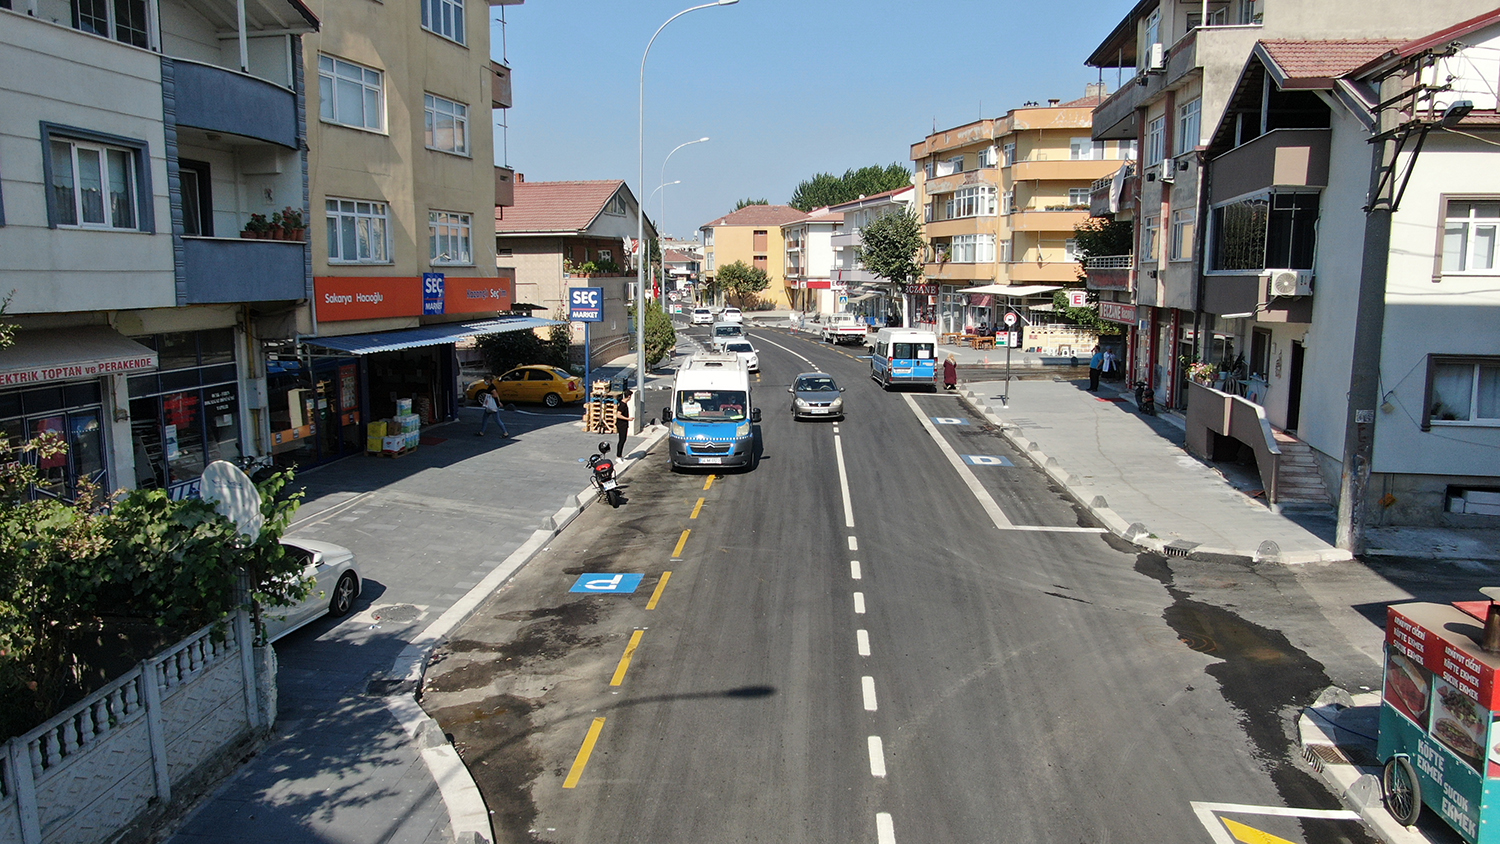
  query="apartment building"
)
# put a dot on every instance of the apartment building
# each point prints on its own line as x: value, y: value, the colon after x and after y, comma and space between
x: 1177, y: 68
x: 809, y: 260
x: 1000, y: 198
x: 136, y: 142
x: 752, y: 235
x: 867, y: 295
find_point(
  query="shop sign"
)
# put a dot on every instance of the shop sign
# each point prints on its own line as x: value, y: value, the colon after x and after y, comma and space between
x: 819, y: 284
x: 366, y: 297
x: 586, y: 304
x: 1078, y: 299
x: 922, y: 289
x: 185, y: 490
x: 432, y: 294
x: 87, y: 369
x: 1117, y: 312
x: 469, y: 295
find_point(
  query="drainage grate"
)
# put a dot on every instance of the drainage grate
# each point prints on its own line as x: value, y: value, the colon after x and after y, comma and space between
x: 1319, y: 755
x: 1178, y: 548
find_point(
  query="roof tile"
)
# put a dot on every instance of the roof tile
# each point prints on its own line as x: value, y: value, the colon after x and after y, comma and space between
x: 1325, y: 59
x: 759, y: 215
x: 555, y: 206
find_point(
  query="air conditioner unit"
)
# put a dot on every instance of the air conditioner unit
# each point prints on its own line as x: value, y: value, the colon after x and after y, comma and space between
x: 1156, y: 58
x: 1289, y: 282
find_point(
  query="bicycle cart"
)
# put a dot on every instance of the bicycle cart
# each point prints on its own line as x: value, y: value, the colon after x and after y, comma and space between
x: 1440, y: 716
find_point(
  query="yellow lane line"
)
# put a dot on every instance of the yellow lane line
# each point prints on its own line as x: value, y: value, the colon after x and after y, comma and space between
x: 635, y: 642
x: 710, y: 482
x: 696, y: 508
x: 1251, y: 835
x: 661, y: 586
x: 677, y: 552
x: 581, y: 761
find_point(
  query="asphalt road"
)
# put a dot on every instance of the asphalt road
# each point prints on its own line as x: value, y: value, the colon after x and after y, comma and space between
x: 956, y: 654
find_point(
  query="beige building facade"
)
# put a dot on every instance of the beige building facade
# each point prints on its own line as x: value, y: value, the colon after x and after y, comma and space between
x: 753, y: 235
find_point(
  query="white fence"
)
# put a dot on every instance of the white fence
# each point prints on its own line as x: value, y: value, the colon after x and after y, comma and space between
x: 91, y: 771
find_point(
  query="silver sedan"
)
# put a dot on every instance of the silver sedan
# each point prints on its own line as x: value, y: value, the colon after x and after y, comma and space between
x: 815, y: 395
x: 336, y: 583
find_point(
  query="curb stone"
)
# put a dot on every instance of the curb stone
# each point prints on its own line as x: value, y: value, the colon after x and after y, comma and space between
x: 1358, y: 786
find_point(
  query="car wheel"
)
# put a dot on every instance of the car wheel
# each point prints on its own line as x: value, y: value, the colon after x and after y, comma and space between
x: 552, y: 400
x: 343, y: 595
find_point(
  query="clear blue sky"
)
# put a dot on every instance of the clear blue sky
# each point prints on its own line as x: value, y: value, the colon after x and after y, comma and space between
x: 785, y: 89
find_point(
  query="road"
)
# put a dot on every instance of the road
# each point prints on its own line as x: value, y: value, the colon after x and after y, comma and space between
x: 894, y: 629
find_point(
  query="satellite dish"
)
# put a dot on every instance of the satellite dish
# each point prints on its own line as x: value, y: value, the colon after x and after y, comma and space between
x: 234, y: 496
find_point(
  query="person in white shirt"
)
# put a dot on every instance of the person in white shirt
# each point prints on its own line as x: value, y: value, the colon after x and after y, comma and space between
x: 491, y: 404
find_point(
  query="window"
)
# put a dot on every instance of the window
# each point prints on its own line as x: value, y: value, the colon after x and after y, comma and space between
x: 1469, y: 231
x: 1148, y: 238
x: 1007, y: 246
x: 1155, y: 140
x: 1070, y: 250
x: 929, y: 168
x: 616, y: 208
x: 606, y: 255
x: 197, y: 200
x: 1008, y: 152
x: 1188, y: 126
x: 758, y: 240
x: 927, y: 212
x: 357, y: 232
x: 1086, y: 149
x: 121, y: 20
x: 1008, y: 202
x: 1278, y: 231
x: 973, y: 249
x: 1125, y: 150
x: 1462, y: 391
x: 444, y: 17
x: 759, y: 262
x: 987, y: 157
x: 350, y: 94
x: 1182, y: 234
x: 974, y: 201
x: 96, y: 181
x: 448, y: 237
x: 949, y: 167
x: 447, y: 125
x: 1078, y: 196
x: 1153, y: 27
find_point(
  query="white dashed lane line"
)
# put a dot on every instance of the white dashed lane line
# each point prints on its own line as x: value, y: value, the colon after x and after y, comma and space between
x: 867, y: 688
x: 854, y: 569
x: 859, y: 603
x: 862, y: 639
x: 877, y: 757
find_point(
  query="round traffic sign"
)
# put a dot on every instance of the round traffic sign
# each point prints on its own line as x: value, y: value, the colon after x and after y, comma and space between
x: 1010, y: 317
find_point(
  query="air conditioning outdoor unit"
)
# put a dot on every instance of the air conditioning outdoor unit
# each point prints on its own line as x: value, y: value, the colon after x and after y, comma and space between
x: 1156, y: 58
x: 1289, y: 282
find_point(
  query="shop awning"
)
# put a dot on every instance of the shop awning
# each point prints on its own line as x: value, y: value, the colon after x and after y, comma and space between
x: 427, y: 335
x: 1013, y: 291
x: 61, y: 354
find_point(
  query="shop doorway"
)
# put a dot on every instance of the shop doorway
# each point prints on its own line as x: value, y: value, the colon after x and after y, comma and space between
x: 314, y: 403
x: 70, y: 413
x: 1294, y: 388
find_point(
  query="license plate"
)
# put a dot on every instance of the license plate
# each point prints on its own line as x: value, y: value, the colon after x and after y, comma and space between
x: 711, y: 461
x: 819, y: 409
x: 901, y: 371
x: 609, y: 484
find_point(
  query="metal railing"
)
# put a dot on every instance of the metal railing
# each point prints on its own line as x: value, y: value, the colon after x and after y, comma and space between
x: 1109, y: 262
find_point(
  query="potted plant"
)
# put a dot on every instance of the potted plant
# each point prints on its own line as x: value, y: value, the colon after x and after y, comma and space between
x: 292, y: 226
x: 1202, y: 372
x: 275, y: 226
x: 257, y: 228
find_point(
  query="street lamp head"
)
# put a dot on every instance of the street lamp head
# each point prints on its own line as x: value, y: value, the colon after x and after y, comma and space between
x: 700, y: 140
x: 728, y: 2
x: 1455, y: 113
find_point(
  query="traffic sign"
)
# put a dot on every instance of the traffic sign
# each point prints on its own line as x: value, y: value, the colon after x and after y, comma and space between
x: 586, y: 304
x: 1010, y: 317
x: 843, y: 300
x: 611, y: 583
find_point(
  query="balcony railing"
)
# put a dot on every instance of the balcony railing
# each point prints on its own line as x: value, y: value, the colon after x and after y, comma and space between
x: 1109, y: 262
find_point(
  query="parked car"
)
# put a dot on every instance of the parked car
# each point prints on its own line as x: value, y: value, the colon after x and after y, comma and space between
x: 546, y: 384
x: 815, y: 395
x: 336, y: 583
x: 747, y: 353
x: 703, y: 316
x: 731, y: 315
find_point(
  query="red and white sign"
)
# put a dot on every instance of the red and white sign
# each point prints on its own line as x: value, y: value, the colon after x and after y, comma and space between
x: 1117, y: 312
x: 1077, y: 298
x: 922, y: 289
x: 340, y: 298
x: 475, y: 295
x: 77, y: 369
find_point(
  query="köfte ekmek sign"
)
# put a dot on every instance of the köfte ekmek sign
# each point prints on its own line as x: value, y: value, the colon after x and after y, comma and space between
x: 373, y: 297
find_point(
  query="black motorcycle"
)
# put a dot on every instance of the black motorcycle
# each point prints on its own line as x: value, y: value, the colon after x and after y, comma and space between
x: 603, y: 476
x: 1145, y: 398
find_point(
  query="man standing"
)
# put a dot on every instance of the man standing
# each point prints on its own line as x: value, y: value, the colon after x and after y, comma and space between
x: 491, y: 404
x: 622, y: 422
x: 1095, y: 362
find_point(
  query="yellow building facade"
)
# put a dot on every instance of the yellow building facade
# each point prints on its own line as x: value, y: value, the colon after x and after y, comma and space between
x: 753, y: 235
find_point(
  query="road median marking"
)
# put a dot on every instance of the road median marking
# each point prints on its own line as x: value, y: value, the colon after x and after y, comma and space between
x: 696, y: 508
x: 854, y: 569
x: 885, y: 830
x: 581, y: 761
x: 677, y: 552
x: 867, y: 689
x: 877, y: 755
x: 862, y: 641
x: 661, y: 586
x: 859, y: 603
x: 635, y: 642
x: 838, y: 453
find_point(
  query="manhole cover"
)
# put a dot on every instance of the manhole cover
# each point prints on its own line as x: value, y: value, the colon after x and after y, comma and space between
x: 396, y: 613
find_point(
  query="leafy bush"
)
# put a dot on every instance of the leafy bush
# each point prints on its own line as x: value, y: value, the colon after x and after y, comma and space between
x: 504, y: 352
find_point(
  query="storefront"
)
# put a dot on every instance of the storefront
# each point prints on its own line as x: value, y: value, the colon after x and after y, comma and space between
x: 313, y: 403
x: 187, y: 413
x: 64, y: 382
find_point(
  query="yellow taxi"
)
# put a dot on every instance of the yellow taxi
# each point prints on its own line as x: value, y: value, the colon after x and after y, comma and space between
x: 545, y: 384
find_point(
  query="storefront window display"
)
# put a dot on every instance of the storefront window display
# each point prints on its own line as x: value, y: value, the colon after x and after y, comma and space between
x: 187, y: 414
x: 74, y: 414
x: 314, y: 406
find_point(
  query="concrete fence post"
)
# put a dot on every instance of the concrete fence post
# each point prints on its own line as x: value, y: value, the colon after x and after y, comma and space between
x: 243, y: 634
x: 151, y: 692
x: 23, y: 790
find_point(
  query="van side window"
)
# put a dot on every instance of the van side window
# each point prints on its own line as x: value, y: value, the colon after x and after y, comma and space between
x: 880, y: 350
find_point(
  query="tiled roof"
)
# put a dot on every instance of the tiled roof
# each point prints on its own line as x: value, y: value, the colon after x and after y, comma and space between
x: 675, y: 257
x: 891, y: 192
x: 555, y: 206
x: 1310, y: 61
x: 759, y: 215
x: 1082, y: 102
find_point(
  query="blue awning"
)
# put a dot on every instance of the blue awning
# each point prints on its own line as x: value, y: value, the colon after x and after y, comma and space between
x: 427, y: 335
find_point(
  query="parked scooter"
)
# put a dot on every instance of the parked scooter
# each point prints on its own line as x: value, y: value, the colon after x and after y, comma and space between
x: 602, y: 475
x: 1145, y: 398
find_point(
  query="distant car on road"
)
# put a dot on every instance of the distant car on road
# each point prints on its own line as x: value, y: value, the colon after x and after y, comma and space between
x: 747, y: 353
x: 546, y: 384
x: 731, y: 315
x: 703, y: 316
x: 336, y: 583
x: 815, y: 395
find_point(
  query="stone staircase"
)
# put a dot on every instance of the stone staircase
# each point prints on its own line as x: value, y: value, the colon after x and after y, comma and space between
x: 1298, y: 483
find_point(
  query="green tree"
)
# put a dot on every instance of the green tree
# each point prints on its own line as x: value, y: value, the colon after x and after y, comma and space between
x: 890, y: 247
x: 661, y: 337
x: 1099, y: 236
x: 742, y: 280
x: 747, y: 202
x: 506, y: 351
x: 1087, y: 316
x: 828, y: 189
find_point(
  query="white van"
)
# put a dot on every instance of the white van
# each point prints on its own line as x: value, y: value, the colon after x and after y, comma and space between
x: 711, y: 420
x: 723, y: 332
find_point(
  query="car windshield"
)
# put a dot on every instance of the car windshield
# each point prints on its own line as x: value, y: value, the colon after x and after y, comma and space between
x: 711, y: 405
x: 739, y: 347
x: 727, y: 331
x: 816, y: 385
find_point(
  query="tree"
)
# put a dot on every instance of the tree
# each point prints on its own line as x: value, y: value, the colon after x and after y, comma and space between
x: 741, y: 279
x: 828, y: 189
x: 1099, y: 236
x: 1087, y: 316
x: 506, y: 351
x: 747, y: 202
x: 661, y: 337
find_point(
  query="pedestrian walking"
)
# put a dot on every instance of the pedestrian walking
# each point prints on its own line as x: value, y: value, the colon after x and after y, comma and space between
x: 622, y: 422
x: 950, y: 373
x: 1095, y: 362
x: 491, y: 405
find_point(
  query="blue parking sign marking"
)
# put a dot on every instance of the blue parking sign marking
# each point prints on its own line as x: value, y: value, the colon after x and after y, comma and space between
x: 986, y: 460
x: 611, y: 583
x: 949, y: 420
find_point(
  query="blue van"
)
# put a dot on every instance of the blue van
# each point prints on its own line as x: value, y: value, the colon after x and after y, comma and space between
x: 904, y: 356
x: 711, y: 420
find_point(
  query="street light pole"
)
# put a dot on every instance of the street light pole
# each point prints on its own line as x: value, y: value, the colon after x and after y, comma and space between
x: 640, y: 217
x: 661, y: 211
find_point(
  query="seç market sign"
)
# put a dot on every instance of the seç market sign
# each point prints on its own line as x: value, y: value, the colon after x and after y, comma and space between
x: 76, y: 369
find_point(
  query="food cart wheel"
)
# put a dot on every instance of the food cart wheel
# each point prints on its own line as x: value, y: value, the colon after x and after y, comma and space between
x: 1402, y: 792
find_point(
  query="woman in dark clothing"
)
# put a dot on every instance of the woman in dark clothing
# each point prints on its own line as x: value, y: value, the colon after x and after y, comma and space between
x: 622, y: 422
x: 950, y: 373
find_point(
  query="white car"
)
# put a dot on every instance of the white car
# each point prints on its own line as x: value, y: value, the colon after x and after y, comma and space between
x: 336, y: 583
x: 703, y: 316
x: 747, y: 353
x: 731, y: 315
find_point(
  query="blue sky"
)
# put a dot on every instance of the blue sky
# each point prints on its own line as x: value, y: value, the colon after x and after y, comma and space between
x: 784, y: 89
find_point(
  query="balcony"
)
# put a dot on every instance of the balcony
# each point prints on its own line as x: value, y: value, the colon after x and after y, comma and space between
x: 1109, y: 272
x: 218, y: 100
x: 846, y: 240
x: 853, y: 275
x: 961, y: 225
x: 1245, y: 293
x: 949, y: 184
x: 500, y: 95
x: 221, y: 269
x: 1115, y: 118
x: 1038, y: 220
x: 1063, y: 169
x: 1279, y: 158
x: 951, y: 272
x: 1104, y: 200
x: 1043, y: 272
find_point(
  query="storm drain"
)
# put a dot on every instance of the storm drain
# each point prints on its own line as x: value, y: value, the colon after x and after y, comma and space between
x: 1178, y: 548
x: 1320, y: 755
